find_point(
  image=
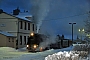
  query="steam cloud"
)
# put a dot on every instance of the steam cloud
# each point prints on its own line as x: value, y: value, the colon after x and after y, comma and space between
x: 40, y: 8
x: 47, y: 41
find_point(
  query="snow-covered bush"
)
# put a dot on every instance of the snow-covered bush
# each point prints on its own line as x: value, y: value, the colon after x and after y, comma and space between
x: 78, y: 51
x: 82, y: 47
x: 72, y: 55
x: 63, y: 56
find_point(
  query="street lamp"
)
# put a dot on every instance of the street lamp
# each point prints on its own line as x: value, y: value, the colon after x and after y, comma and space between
x: 81, y: 31
x: 72, y: 30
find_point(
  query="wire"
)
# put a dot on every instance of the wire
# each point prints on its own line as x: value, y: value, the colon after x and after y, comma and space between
x: 60, y: 18
x: 66, y: 17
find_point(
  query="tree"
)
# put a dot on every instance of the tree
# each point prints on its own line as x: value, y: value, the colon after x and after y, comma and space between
x: 87, y: 28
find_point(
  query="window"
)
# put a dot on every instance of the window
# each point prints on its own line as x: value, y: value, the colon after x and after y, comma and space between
x: 9, y: 39
x: 12, y: 39
x: 20, y: 40
x: 28, y: 26
x: 28, y: 36
x: 21, y: 25
x: 33, y: 27
x: 36, y: 27
x: 16, y: 42
x: 25, y: 26
x: 24, y: 39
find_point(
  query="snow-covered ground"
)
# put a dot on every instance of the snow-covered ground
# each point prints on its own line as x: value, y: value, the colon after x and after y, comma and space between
x: 7, y: 53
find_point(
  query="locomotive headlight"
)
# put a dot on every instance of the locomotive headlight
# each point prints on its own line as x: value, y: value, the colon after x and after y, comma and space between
x: 27, y: 45
x: 35, y: 46
x: 32, y: 34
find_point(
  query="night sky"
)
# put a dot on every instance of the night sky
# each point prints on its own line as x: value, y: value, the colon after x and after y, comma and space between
x: 60, y: 13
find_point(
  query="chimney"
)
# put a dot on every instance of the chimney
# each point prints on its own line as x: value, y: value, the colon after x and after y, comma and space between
x: 1, y: 11
x: 16, y: 11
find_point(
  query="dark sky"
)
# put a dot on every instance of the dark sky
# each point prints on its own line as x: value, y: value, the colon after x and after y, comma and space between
x: 61, y: 12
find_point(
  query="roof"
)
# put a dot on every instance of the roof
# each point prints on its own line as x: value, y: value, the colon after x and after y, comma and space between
x: 6, y: 34
x: 21, y: 15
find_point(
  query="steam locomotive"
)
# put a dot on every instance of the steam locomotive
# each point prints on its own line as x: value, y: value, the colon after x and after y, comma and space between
x: 35, y: 39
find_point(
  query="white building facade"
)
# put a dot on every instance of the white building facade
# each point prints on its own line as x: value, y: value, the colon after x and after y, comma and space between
x: 18, y: 26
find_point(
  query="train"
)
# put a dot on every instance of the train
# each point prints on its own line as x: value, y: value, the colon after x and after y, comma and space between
x: 35, y: 39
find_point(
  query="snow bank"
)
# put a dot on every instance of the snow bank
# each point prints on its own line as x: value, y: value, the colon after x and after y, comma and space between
x: 77, y: 53
x: 9, y: 53
x: 66, y: 55
x: 7, y: 49
x: 22, y: 49
x: 63, y: 56
x: 82, y: 47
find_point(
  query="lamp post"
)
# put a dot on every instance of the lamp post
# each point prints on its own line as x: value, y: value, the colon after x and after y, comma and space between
x: 81, y: 31
x: 72, y: 30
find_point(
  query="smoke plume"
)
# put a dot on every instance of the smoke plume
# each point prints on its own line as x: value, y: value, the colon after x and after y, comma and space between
x: 47, y: 40
x: 40, y: 8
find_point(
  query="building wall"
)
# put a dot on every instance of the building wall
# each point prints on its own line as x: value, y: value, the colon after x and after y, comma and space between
x: 8, y: 23
x: 5, y: 42
x: 23, y: 26
x: 22, y: 32
x: 23, y: 40
x: 11, y: 42
x: 12, y: 25
x: 2, y: 40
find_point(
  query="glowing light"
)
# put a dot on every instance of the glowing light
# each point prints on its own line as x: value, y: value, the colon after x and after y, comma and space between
x: 41, y: 49
x: 32, y: 34
x: 35, y: 46
x: 79, y: 30
x: 27, y: 45
x: 83, y: 30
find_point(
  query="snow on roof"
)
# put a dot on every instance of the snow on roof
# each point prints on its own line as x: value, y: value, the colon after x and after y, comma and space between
x: 6, y: 34
x: 23, y: 16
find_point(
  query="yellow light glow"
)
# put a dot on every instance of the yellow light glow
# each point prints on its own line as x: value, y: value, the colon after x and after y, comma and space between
x: 32, y: 34
x: 41, y: 49
x: 35, y: 46
x: 27, y: 45
x: 83, y: 30
x: 79, y: 30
